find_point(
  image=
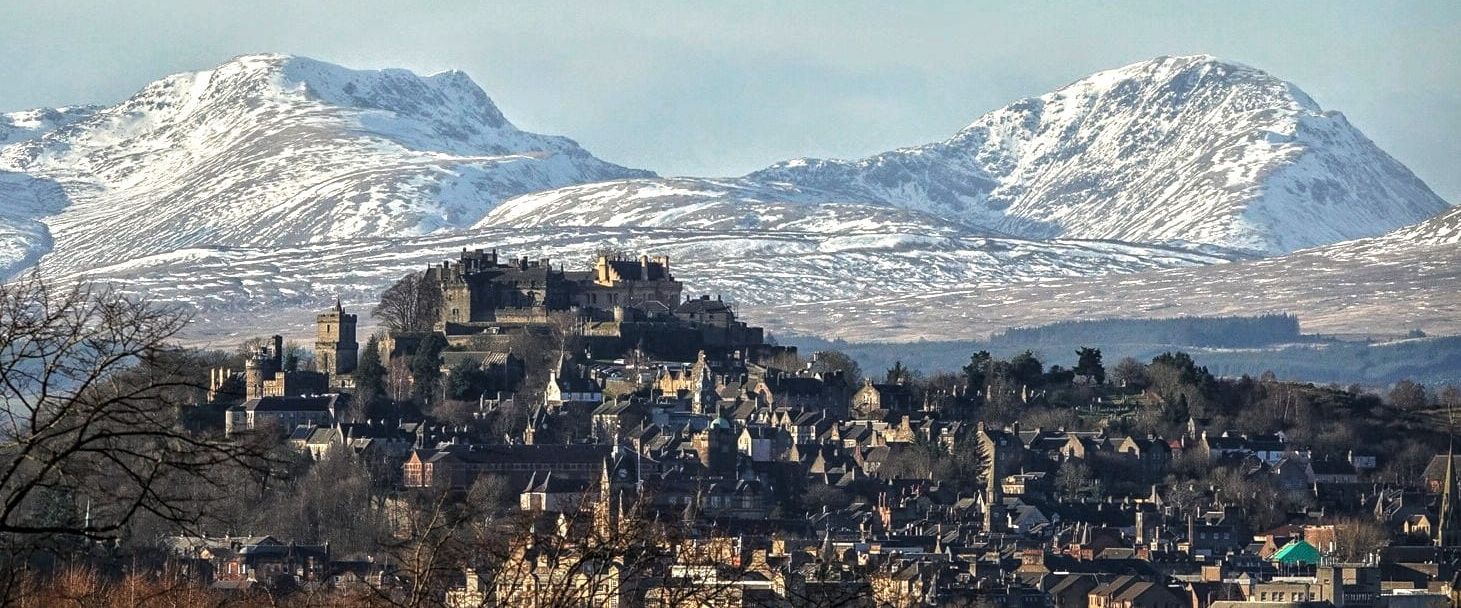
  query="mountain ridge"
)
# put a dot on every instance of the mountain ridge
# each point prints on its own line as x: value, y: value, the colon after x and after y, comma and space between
x: 272, y: 182
x: 1190, y: 152
x: 1039, y: 168
x: 278, y: 150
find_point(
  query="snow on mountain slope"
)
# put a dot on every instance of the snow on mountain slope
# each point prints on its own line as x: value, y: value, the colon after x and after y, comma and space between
x: 30, y: 124
x: 24, y: 238
x: 236, y: 291
x: 1386, y: 285
x: 278, y: 150
x: 861, y: 287
x: 1182, y: 150
x: 1444, y: 229
x: 255, y: 192
x: 707, y: 204
x: 1371, y: 286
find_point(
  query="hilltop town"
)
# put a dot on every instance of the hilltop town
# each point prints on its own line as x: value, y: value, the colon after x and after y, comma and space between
x: 529, y: 433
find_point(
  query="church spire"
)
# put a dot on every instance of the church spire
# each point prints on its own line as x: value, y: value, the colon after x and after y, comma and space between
x: 1446, y: 524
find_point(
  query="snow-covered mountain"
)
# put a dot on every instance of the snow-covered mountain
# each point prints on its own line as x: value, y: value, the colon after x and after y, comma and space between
x: 714, y: 204
x: 1174, y: 150
x: 271, y: 150
x: 874, y: 286
x: 1186, y: 151
x: 257, y: 191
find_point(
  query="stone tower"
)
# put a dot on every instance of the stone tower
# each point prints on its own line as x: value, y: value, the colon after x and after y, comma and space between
x: 335, y: 346
x: 262, y: 366
x: 716, y: 447
x: 994, y: 449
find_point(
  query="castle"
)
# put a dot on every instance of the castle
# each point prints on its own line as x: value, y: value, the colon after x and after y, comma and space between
x: 482, y: 290
x: 266, y: 373
x: 622, y: 301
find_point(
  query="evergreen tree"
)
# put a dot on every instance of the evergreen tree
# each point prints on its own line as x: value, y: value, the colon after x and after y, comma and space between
x: 426, y: 368
x: 1026, y: 369
x: 1089, y: 364
x: 897, y: 374
x: 466, y: 381
x: 370, y: 379
x: 976, y: 373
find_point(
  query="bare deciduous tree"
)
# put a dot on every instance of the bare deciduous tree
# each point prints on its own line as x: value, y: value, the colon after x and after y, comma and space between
x: 1357, y: 539
x: 413, y: 304
x: 91, y: 392
x: 1409, y: 395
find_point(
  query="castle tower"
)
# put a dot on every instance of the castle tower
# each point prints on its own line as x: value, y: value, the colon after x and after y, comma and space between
x: 257, y: 369
x: 335, y: 346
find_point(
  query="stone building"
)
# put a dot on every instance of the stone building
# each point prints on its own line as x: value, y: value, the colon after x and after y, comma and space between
x: 620, y: 303
x: 264, y: 375
x: 716, y: 322
x: 262, y: 366
x: 480, y: 290
x: 336, y: 351
x: 281, y: 414
x: 717, y: 448
x: 265, y: 372
x: 875, y: 400
x: 644, y: 283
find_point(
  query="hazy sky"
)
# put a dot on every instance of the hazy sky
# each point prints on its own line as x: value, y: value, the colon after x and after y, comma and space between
x: 726, y: 88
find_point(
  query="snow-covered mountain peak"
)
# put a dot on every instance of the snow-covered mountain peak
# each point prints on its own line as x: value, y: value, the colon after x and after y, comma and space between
x: 446, y: 112
x: 274, y: 150
x: 1178, y: 71
x: 1187, y: 151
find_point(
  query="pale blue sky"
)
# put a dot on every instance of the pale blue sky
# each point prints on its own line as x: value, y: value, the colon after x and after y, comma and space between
x: 726, y: 88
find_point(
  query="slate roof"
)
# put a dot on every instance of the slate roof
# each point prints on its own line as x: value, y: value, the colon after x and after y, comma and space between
x: 313, y: 403
x: 1437, y: 467
x: 702, y: 305
x: 451, y: 358
x: 1332, y: 467
x: 523, y: 453
x: 549, y: 483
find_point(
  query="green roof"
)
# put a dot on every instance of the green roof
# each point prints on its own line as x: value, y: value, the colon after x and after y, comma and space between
x: 1296, y: 552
